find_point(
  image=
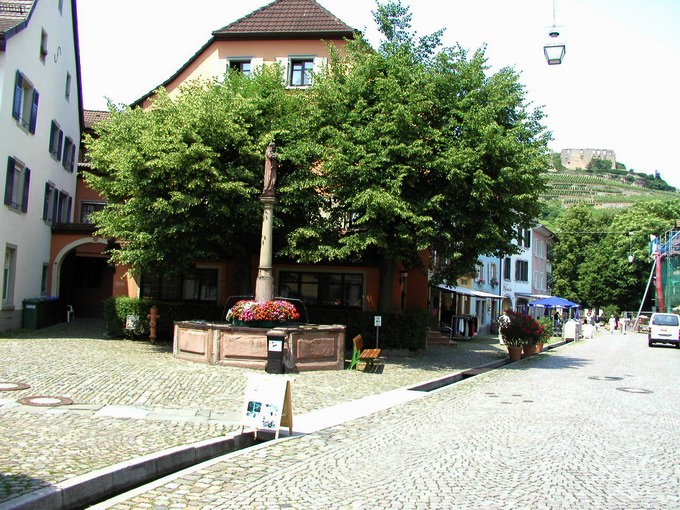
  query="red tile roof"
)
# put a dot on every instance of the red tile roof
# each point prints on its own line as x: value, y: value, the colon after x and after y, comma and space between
x: 291, y: 18
x: 13, y: 12
x: 91, y: 117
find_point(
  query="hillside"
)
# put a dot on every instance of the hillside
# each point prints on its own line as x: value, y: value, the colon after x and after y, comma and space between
x: 601, y: 190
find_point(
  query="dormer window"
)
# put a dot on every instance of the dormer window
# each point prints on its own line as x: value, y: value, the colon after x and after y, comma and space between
x: 43, y: 46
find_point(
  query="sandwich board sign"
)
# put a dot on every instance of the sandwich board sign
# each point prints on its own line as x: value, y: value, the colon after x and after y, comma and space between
x: 267, y: 404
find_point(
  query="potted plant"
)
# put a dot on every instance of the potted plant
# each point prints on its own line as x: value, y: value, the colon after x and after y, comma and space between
x: 547, y: 324
x: 520, y: 332
x: 262, y: 314
x: 493, y: 282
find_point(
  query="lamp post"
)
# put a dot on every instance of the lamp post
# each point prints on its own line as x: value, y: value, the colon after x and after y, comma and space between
x: 554, y: 50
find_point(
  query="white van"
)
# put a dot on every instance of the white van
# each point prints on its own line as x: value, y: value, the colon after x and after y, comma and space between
x: 664, y: 328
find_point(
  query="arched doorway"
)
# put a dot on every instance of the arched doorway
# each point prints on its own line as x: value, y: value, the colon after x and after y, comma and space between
x: 82, y: 276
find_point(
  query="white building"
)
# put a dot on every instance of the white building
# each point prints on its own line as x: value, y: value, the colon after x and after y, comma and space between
x: 40, y: 127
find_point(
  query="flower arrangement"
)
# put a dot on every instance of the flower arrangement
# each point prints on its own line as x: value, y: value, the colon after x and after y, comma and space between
x: 276, y: 311
x: 520, y: 329
x: 493, y: 282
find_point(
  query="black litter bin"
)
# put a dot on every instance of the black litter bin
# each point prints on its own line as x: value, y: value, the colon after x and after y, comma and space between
x: 275, y: 352
x: 31, y: 314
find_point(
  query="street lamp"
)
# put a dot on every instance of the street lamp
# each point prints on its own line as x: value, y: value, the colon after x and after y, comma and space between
x: 554, y: 50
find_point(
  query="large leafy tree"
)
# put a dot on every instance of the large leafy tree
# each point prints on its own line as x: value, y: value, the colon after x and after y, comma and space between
x: 181, y: 177
x: 409, y: 148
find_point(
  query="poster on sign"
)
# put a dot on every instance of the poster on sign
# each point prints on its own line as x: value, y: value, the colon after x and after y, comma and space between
x: 267, y: 404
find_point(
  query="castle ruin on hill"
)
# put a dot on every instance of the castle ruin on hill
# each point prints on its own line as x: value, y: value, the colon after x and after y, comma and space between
x: 580, y: 158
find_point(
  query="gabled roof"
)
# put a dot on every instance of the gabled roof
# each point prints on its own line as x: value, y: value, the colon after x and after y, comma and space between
x: 287, y: 18
x: 92, y: 117
x: 12, y: 14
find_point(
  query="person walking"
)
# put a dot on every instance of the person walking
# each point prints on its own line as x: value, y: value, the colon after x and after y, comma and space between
x: 612, y: 324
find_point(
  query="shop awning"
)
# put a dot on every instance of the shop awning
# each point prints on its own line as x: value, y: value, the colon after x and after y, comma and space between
x: 469, y: 292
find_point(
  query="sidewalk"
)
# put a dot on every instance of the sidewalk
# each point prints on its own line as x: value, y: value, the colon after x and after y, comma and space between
x: 134, y: 399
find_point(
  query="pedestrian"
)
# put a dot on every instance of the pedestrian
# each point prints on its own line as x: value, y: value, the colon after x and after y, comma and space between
x: 612, y: 324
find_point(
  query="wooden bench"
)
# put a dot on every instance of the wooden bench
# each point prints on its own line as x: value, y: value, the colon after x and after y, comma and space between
x: 368, y: 356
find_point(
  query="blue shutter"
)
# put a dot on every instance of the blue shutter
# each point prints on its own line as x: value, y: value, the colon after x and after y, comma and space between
x: 61, y: 144
x: 34, y: 112
x: 52, y: 133
x: 46, y: 201
x: 73, y: 157
x: 68, y: 209
x: 9, y: 182
x: 55, y: 206
x: 18, y: 93
x: 27, y: 181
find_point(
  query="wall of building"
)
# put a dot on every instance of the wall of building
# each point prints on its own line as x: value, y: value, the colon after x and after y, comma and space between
x: 27, y: 233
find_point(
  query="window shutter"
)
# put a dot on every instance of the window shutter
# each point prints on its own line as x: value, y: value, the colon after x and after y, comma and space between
x: 9, y: 182
x: 68, y: 210
x: 34, y: 112
x: 53, y: 130
x: 55, y: 206
x: 284, y: 62
x: 73, y: 157
x: 46, y: 202
x: 18, y: 92
x: 256, y: 64
x: 27, y: 181
x: 61, y: 144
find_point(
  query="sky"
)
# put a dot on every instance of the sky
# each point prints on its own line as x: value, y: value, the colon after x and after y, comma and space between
x: 617, y: 88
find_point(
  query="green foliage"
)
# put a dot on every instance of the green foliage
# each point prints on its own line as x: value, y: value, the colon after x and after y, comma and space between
x: 116, y: 310
x: 181, y: 178
x: 399, y: 330
x: 414, y: 149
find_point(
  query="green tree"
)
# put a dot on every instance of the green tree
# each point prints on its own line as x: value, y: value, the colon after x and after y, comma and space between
x: 413, y: 148
x: 181, y: 178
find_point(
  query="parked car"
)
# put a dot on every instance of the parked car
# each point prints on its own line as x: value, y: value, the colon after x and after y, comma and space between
x: 664, y: 328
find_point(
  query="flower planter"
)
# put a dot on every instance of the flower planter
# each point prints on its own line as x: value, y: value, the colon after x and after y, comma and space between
x: 514, y: 352
x: 529, y: 349
x: 257, y: 324
x: 539, y: 347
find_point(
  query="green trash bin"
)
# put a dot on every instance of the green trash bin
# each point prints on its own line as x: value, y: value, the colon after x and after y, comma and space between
x: 30, y: 316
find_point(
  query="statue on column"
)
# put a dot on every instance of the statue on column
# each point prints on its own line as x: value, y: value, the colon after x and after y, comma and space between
x: 270, y: 162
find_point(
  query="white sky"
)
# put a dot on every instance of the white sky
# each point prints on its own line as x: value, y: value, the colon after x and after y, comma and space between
x: 616, y: 89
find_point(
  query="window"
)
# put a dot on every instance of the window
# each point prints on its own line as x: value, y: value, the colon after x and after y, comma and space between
x: 25, y: 105
x: 69, y: 157
x: 200, y: 285
x: 87, y: 208
x: 17, y: 185
x: 341, y: 290
x: 493, y: 273
x: 43, y: 280
x: 56, y: 140
x: 43, y: 46
x: 62, y: 209
x: 521, y: 271
x: 479, y: 272
x: 301, y: 72
x: 242, y: 65
x: 8, y: 275
x: 49, y: 205
x: 506, y: 269
x: 67, y: 92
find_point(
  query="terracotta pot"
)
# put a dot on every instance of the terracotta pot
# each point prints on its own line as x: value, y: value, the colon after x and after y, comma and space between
x: 515, y: 353
x: 529, y: 349
x: 539, y: 347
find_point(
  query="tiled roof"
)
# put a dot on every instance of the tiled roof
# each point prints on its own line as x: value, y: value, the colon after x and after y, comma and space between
x: 13, y: 12
x: 287, y: 17
x: 91, y: 117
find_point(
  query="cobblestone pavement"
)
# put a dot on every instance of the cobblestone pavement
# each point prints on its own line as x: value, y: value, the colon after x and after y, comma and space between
x: 131, y: 398
x: 591, y: 425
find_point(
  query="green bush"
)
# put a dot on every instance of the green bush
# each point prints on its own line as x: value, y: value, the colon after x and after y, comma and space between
x: 116, y: 310
x: 398, y: 331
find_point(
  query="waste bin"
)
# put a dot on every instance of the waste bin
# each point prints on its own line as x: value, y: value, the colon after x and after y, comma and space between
x: 275, y: 352
x: 32, y: 307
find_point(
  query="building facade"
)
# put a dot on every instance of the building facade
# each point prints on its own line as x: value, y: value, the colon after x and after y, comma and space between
x: 40, y: 130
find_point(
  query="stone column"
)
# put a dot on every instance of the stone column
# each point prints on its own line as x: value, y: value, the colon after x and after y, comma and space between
x: 264, y: 287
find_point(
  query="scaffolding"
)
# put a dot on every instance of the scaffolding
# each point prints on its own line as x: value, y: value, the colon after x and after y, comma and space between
x: 669, y: 255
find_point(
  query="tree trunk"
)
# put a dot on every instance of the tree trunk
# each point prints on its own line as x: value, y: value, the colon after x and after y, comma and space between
x: 385, y: 297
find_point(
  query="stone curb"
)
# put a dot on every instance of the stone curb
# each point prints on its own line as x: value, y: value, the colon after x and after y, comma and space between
x: 104, y: 483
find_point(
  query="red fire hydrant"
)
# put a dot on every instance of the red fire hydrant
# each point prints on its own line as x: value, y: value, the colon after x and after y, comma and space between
x: 153, y: 318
